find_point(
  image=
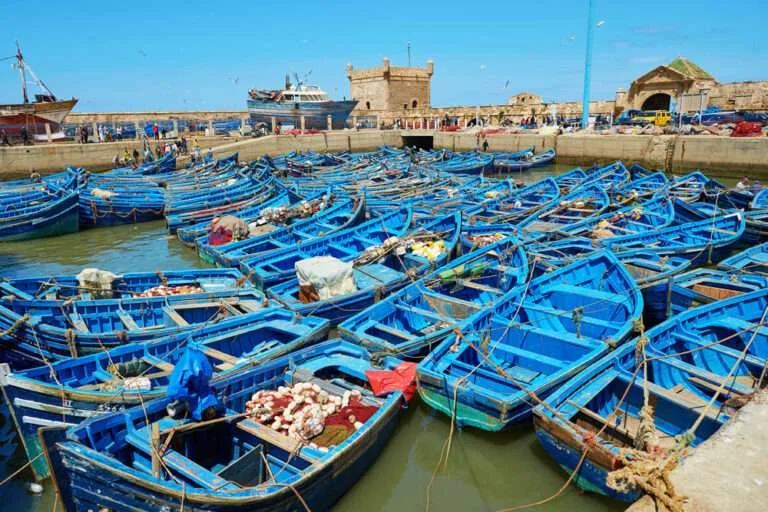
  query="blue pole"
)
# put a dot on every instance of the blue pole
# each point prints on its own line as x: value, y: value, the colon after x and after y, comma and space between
x: 587, y: 67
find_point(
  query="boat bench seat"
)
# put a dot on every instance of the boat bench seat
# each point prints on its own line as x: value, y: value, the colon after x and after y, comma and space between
x: 529, y: 354
x: 563, y: 315
x: 393, y: 331
x: 599, y: 295
x: 185, y: 467
x: 432, y: 315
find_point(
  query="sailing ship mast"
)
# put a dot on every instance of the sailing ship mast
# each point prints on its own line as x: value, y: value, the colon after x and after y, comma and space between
x: 20, y: 60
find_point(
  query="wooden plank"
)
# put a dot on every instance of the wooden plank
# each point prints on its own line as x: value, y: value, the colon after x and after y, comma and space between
x: 128, y: 320
x: 272, y: 437
x: 218, y: 354
x: 159, y: 363
x: 727, y: 390
x: 177, y: 318
x: 393, y: 331
x: 478, y: 286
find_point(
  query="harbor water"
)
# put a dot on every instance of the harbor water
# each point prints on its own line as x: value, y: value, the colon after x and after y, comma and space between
x: 485, y: 471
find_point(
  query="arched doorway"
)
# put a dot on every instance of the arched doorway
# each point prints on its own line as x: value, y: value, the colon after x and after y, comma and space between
x: 658, y: 101
x: 414, y: 104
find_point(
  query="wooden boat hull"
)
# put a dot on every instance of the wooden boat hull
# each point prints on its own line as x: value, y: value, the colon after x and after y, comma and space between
x: 250, y: 340
x: 531, y: 341
x: 60, y: 221
x: 81, y: 471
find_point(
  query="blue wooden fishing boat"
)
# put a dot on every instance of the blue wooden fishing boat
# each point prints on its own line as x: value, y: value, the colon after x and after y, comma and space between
x: 70, y: 391
x: 276, y: 266
x: 644, y: 267
x: 40, y: 330
x: 194, y: 234
x: 54, y: 215
x: 692, y: 212
x: 379, y: 275
x: 611, y: 177
x: 642, y: 187
x: 671, y: 297
x: 579, y: 205
x: 343, y: 214
x: 516, y: 205
x: 235, y: 463
x: 467, y: 163
x: 570, y: 180
x: 706, y: 241
x: 413, y: 320
x: 535, y: 338
x: 247, y: 211
x: 198, y: 282
x: 760, y: 201
x: 110, y: 203
x: 601, y: 414
x: 729, y: 199
x: 638, y: 171
x: 689, y: 188
x: 650, y: 215
x: 196, y: 207
x: 753, y: 261
x: 756, y: 231
x: 527, y: 161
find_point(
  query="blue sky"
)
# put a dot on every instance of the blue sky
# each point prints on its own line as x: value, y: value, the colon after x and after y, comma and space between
x: 175, y: 55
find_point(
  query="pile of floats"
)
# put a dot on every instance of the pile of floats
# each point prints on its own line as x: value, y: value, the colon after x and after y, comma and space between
x: 610, y: 304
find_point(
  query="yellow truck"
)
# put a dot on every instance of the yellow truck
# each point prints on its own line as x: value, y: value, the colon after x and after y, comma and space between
x: 656, y: 117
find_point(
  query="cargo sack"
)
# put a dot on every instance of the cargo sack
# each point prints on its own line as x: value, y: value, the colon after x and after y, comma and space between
x: 327, y: 276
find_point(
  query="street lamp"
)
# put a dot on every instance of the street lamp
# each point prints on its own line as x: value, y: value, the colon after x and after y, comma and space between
x: 588, y: 63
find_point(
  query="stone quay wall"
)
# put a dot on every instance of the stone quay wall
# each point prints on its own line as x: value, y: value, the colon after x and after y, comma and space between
x: 723, y: 156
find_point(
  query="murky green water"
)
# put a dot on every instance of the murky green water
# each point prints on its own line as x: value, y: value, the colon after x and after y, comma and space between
x: 486, y: 471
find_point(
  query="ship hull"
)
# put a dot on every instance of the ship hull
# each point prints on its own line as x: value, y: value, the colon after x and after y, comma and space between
x: 289, y: 114
x: 34, y: 117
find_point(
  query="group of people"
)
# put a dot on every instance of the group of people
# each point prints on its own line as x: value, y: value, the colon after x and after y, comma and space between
x: 174, y: 148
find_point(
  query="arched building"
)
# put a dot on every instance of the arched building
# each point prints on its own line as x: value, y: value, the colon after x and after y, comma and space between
x: 681, y: 83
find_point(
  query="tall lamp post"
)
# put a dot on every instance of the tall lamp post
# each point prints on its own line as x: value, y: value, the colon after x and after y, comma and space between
x: 587, y: 66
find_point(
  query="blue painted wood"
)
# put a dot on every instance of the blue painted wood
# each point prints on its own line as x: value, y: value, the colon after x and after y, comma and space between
x: 50, y: 329
x: 706, y: 241
x: 416, y: 318
x: 671, y: 297
x: 277, y: 266
x: 343, y: 214
x: 126, y: 285
x: 114, y: 447
x: 538, y: 335
x: 689, y: 357
x: 72, y: 390
x: 375, y: 279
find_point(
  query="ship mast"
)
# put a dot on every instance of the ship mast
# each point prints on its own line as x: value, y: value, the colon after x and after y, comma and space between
x: 20, y: 60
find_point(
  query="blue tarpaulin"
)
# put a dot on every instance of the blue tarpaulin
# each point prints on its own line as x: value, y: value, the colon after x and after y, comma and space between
x: 190, y: 383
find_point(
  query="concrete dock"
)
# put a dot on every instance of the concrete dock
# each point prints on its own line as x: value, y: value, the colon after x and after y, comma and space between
x: 728, y: 472
x: 719, y: 156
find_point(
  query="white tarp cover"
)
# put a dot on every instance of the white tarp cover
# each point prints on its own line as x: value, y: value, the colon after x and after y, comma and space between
x: 97, y: 282
x: 329, y: 276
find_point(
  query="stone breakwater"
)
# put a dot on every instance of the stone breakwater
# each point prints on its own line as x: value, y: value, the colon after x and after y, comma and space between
x: 721, y: 156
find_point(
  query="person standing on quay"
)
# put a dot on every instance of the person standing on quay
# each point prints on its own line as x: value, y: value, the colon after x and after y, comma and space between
x: 4, y: 137
x: 485, y: 146
x: 135, y: 155
x: 156, y: 131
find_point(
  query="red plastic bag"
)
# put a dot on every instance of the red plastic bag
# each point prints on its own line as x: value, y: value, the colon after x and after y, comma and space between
x: 402, y: 378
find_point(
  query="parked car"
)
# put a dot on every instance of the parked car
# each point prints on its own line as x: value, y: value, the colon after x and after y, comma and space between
x: 655, y: 117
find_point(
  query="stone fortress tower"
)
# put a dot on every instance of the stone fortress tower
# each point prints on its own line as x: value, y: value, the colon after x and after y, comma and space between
x: 389, y: 88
